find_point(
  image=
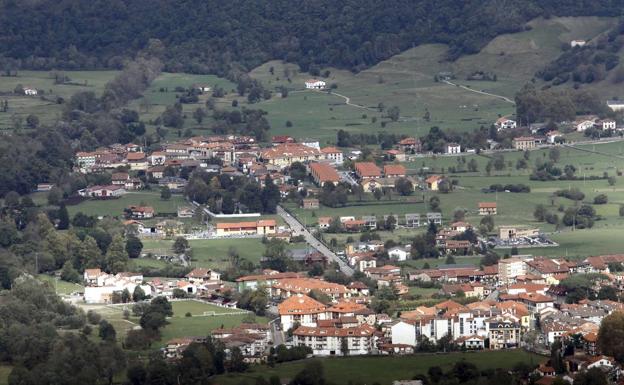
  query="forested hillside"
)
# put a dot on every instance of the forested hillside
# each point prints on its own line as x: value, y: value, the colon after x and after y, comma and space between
x: 226, y: 37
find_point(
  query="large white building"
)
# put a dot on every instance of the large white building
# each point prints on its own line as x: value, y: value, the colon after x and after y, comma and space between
x: 315, y: 84
x: 333, y: 341
x: 101, y: 286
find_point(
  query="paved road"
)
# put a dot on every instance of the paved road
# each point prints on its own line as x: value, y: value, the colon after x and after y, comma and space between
x: 277, y: 335
x: 299, y: 229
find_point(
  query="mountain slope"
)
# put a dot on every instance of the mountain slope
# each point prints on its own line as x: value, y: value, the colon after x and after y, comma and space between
x: 226, y: 37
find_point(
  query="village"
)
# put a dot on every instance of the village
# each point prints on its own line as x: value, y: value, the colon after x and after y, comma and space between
x: 520, y: 301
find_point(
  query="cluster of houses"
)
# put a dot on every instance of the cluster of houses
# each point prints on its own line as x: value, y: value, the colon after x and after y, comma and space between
x: 101, y: 287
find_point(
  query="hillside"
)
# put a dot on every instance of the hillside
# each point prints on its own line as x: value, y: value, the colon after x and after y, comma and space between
x: 224, y: 38
x: 406, y: 80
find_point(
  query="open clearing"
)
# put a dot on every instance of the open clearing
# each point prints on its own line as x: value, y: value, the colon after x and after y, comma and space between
x: 383, y: 370
x: 61, y: 287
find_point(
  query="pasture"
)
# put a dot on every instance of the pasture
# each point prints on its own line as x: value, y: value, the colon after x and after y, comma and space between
x: 213, y: 253
x: 383, y: 370
x: 115, y: 207
x: 198, y: 308
x: 61, y: 287
x: 45, y: 104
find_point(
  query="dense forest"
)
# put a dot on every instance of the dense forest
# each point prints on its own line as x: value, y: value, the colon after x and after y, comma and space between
x: 230, y: 37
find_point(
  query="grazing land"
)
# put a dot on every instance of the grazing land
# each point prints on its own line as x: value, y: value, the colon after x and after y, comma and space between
x: 61, y: 287
x: 385, y: 369
x: 115, y: 207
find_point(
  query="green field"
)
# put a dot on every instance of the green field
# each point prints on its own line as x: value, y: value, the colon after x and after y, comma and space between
x: 47, y: 109
x: 383, y: 370
x: 115, y: 207
x: 213, y: 253
x: 196, y: 308
x: 406, y: 80
x: 62, y: 287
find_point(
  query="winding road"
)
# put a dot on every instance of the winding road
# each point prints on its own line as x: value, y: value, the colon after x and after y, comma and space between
x: 480, y: 92
x: 298, y: 228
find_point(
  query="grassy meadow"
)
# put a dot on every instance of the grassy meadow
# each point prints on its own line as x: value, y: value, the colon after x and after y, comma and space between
x: 115, y: 207
x: 384, y: 370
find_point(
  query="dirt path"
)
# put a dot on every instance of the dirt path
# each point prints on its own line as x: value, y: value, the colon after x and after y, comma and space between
x: 504, y: 98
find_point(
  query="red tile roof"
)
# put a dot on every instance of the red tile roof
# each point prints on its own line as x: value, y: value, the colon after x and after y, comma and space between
x: 367, y: 169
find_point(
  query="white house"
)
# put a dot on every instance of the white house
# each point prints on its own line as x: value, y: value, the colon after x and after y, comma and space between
x: 399, y: 253
x: 30, y: 91
x: 584, y: 124
x: 453, y: 148
x: 315, y: 84
x: 615, y: 105
x: 577, y: 43
x: 606, y: 124
x: 111, y: 191
x: 505, y: 123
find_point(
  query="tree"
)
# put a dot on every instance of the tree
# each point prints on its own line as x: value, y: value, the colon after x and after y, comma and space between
x: 601, y: 199
x: 488, y: 223
x: 611, y: 336
x: 107, y: 331
x: 394, y: 113
x: 404, y: 187
x: 539, y: 213
x: 165, y: 193
x: 116, y: 256
x: 593, y: 376
x: 134, y: 247
x: 270, y: 196
x: 138, y: 294
x: 237, y: 361
x: 377, y: 193
x: 180, y: 245
x: 55, y: 195
x: 434, y: 203
x: 63, y: 218
x: 199, y: 114
x: 70, y: 274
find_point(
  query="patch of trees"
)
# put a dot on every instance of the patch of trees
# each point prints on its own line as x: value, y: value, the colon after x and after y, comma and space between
x: 556, y: 105
x: 580, y: 217
x: 482, y: 75
x: 384, y: 139
x: 34, y: 341
x: 514, y: 188
x: 222, y: 193
x: 246, y: 121
x: 437, y: 139
x: 589, y: 63
x: 333, y: 196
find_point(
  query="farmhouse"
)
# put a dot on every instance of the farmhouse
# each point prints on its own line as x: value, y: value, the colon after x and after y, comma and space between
x: 315, y: 84
x: 410, y: 145
x: 260, y: 227
x: 524, y: 143
x: 505, y: 123
x: 367, y: 170
x: 333, y: 155
x: 606, y: 124
x: 30, y: 91
x: 310, y: 203
x: 394, y: 171
x: 577, y: 43
x: 140, y: 212
x: 200, y: 276
x: 324, y: 173
x: 584, y: 123
x: 137, y: 161
x: 453, y: 148
x: 433, y: 182
x: 487, y: 208
x: 103, y: 192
